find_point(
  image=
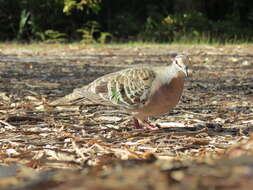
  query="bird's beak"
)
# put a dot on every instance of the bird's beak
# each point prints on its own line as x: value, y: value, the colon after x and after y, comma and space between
x: 186, y: 72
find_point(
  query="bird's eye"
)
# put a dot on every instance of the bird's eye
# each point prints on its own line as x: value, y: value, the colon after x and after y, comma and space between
x: 178, y: 64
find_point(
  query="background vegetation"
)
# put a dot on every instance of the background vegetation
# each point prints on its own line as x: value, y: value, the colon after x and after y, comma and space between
x: 91, y: 21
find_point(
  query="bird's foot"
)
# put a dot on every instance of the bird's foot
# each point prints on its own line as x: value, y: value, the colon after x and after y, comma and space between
x: 142, y: 124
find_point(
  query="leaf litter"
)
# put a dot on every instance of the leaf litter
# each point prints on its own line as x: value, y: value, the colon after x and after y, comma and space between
x: 206, y: 142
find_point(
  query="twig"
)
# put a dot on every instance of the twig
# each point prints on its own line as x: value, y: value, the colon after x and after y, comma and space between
x: 7, y: 124
x: 189, y: 112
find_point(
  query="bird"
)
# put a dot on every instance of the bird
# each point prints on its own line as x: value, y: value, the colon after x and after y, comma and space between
x: 143, y: 92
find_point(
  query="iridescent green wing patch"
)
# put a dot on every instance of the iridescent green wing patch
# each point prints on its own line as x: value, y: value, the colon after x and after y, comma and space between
x: 131, y: 88
x: 115, y: 94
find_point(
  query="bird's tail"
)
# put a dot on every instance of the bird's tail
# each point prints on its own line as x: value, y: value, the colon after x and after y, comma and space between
x: 72, y: 98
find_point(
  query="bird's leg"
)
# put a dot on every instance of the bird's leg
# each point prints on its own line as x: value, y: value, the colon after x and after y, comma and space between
x: 148, y: 125
x: 137, y: 124
x: 140, y: 124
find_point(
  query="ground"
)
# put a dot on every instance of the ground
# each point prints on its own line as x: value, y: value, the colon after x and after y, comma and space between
x: 204, y: 143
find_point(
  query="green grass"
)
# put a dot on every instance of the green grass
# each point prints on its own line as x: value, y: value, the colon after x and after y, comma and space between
x: 34, y: 46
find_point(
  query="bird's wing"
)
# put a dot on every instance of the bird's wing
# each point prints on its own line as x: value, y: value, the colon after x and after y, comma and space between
x: 128, y: 88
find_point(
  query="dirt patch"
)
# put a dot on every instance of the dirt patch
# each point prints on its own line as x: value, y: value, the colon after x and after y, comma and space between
x: 208, y: 134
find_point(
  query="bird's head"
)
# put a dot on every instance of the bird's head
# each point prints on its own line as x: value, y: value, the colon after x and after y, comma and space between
x: 181, y: 62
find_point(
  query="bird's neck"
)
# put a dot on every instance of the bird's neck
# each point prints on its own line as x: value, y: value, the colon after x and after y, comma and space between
x: 171, y: 72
